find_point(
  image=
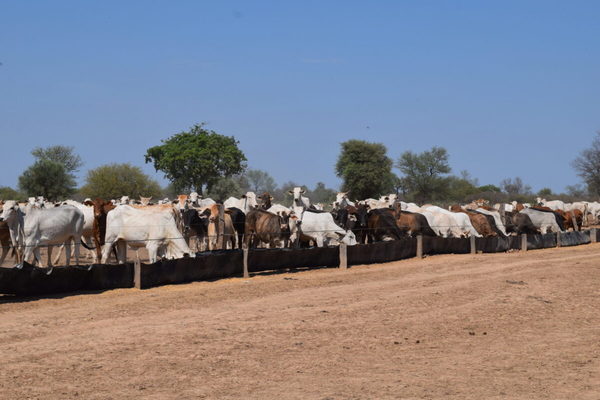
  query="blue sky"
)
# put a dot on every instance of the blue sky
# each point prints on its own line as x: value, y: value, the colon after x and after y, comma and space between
x: 510, y: 88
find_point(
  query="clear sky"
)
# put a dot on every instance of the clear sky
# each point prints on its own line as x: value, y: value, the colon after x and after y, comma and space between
x: 510, y: 88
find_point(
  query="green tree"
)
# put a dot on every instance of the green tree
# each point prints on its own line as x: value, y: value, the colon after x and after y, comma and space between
x: 112, y: 181
x: 260, y: 181
x: 64, y: 155
x: 423, y: 174
x: 489, y: 188
x: 8, y: 193
x: 365, y: 169
x: 197, y: 159
x: 459, y: 189
x: 587, y: 165
x: 224, y: 188
x: 47, y: 178
x: 322, y: 194
x: 545, y: 192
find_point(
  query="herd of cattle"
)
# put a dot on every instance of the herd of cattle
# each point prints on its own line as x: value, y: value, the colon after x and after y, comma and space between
x: 168, y: 229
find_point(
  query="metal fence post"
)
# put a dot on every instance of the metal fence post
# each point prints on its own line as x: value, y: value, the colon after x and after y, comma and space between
x: 419, y: 246
x: 574, y: 221
x: 473, y: 244
x: 558, y: 239
x: 343, y: 256
x: 593, y: 237
x: 220, y: 227
x: 246, y: 274
x: 523, y: 242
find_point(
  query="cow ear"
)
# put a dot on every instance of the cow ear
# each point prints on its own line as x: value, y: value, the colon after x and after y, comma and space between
x: 271, y: 197
x: 290, y: 191
x: 243, y: 196
x: 88, y: 203
x: 302, y: 191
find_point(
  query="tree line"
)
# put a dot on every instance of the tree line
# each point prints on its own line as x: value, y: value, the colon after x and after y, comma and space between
x: 212, y: 164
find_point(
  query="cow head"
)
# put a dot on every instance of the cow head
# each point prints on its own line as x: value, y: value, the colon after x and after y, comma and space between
x: 101, y: 207
x: 145, y: 200
x: 10, y: 210
x: 265, y: 200
x: 250, y: 202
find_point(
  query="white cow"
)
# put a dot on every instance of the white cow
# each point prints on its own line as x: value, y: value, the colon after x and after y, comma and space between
x: 593, y: 208
x: 48, y: 227
x: 246, y: 203
x: 152, y: 227
x: 544, y: 221
x: 463, y: 222
x: 341, y: 201
x: 386, y: 201
x: 442, y: 224
x: 88, y: 226
x: 14, y: 217
x: 320, y: 228
x: 299, y: 202
x: 553, y: 204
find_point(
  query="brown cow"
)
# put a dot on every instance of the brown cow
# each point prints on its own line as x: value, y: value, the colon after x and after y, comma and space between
x: 5, y: 241
x: 213, y: 228
x: 479, y: 221
x: 412, y: 223
x: 101, y: 209
x: 263, y: 226
x: 382, y: 225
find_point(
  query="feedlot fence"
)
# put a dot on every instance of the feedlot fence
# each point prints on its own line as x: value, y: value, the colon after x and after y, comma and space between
x: 28, y: 280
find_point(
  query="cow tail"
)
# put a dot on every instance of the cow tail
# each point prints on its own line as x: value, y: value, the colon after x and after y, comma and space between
x: 84, y: 244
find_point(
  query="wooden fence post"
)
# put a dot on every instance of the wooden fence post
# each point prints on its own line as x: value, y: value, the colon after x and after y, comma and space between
x: 220, y: 227
x: 343, y: 256
x: 246, y: 274
x: 523, y: 242
x: 419, y: 246
x: 593, y: 237
x: 137, y: 274
x: 473, y: 244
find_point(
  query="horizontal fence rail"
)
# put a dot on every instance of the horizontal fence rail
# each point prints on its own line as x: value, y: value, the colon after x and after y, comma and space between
x: 28, y: 280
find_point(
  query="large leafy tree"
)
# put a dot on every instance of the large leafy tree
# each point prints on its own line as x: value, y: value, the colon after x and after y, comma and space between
x: 587, y: 165
x: 112, y: 181
x: 424, y: 174
x: 197, y: 159
x: 47, y: 178
x: 365, y: 168
x: 53, y: 173
x: 64, y: 155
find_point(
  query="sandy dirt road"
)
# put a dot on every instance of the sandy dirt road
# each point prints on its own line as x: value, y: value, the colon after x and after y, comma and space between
x: 498, y: 326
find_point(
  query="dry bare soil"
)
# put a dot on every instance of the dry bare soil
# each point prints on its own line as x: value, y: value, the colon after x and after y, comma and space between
x: 501, y: 326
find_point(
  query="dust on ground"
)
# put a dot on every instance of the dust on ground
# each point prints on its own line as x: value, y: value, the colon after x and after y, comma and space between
x: 491, y: 326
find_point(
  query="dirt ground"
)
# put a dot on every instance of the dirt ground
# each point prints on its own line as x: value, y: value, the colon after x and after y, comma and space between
x: 497, y: 326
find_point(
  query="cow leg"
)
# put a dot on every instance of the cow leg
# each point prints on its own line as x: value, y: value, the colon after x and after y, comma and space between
x: 49, y: 262
x: 319, y: 241
x: 152, y: 251
x: 29, y: 251
x: 76, y: 249
x: 68, y: 252
x: 106, y: 252
x: 5, y: 249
